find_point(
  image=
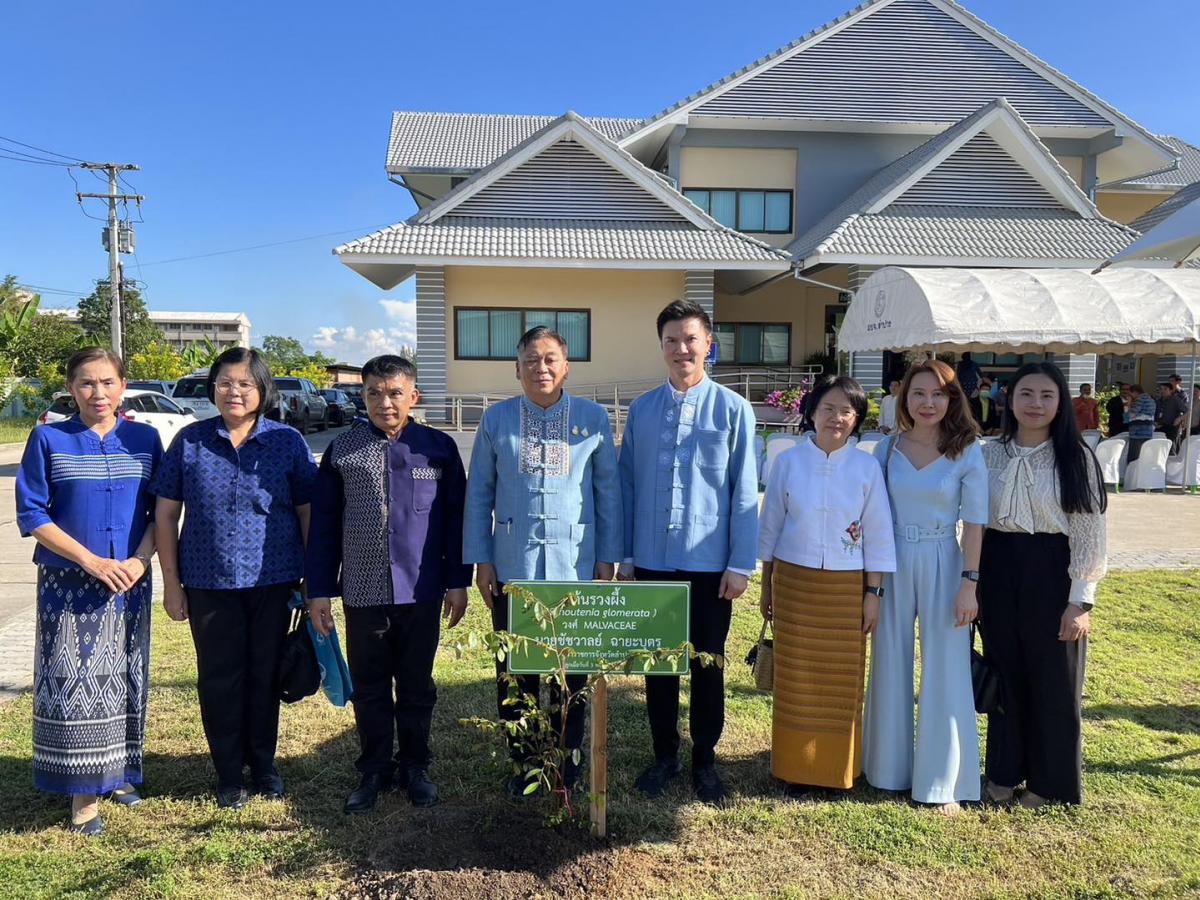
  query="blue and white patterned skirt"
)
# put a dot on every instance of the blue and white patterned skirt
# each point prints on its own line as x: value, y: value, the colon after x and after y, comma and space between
x: 90, y: 682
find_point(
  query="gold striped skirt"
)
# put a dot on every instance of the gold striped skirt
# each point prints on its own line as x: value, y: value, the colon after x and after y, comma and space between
x: 820, y: 658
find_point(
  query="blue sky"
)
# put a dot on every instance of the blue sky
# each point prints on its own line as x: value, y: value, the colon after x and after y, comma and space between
x: 257, y: 122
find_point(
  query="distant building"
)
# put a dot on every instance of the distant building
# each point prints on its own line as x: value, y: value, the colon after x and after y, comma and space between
x: 344, y: 373
x: 183, y: 329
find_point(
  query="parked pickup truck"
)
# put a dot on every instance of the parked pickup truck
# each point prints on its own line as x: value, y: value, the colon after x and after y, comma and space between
x: 301, y: 404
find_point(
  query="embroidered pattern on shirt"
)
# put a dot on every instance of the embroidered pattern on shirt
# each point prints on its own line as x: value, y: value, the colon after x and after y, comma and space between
x: 426, y: 473
x: 360, y: 456
x: 544, y: 447
x: 852, y: 542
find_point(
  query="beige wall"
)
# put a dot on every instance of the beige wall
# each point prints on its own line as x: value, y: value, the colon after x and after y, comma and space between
x: 1125, y: 208
x: 623, y: 303
x: 1074, y: 167
x: 786, y: 300
x: 718, y: 167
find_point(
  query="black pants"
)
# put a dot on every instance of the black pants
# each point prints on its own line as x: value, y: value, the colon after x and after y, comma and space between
x: 238, y: 636
x: 531, y: 685
x: 1023, y: 590
x: 390, y: 652
x: 708, y: 627
x: 1135, y: 448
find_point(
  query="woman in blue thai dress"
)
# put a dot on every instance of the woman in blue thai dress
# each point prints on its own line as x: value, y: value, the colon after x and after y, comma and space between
x: 82, y: 493
x: 936, y: 477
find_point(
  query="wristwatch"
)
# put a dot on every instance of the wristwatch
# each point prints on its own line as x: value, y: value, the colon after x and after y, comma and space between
x: 877, y: 591
x: 1086, y: 605
x: 144, y: 558
x: 971, y: 575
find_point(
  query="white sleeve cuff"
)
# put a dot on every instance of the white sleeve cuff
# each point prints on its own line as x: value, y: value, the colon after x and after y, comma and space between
x: 741, y: 572
x: 1082, y: 592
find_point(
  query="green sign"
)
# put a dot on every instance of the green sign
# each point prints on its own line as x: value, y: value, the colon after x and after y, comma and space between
x: 612, y: 621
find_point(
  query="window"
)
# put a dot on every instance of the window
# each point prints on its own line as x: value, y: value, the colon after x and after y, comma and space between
x: 494, y: 333
x: 753, y: 343
x: 762, y: 212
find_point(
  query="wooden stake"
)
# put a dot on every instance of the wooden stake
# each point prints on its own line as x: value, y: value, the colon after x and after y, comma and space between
x: 599, y: 758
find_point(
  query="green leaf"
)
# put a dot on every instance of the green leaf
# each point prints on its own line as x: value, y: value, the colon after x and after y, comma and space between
x: 576, y: 756
x: 530, y: 788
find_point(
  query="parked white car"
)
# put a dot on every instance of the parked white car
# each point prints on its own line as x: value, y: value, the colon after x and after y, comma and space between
x: 158, y: 411
x: 192, y: 391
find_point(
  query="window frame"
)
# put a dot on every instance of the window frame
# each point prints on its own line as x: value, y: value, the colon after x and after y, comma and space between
x: 759, y: 365
x: 524, y: 311
x: 737, y: 206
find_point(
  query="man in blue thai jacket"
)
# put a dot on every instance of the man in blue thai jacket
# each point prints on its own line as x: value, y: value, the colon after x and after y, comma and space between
x: 386, y: 536
x: 689, y: 486
x: 543, y: 504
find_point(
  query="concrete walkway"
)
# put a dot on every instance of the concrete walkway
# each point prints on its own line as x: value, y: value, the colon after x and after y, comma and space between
x: 1145, y: 531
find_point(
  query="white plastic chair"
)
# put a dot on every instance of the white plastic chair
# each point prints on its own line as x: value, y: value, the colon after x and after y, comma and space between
x: 777, y: 444
x: 1092, y: 437
x: 1176, y: 468
x: 1149, y: 471
x: 1158, y: 434
x: 1111, y: 455
x: 866, y: 446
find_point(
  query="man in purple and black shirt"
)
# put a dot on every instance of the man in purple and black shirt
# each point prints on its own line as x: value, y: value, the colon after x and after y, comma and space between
x: 386, y: 536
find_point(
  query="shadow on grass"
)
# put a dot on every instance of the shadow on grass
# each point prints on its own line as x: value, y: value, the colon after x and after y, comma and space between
x: 1182, y: 718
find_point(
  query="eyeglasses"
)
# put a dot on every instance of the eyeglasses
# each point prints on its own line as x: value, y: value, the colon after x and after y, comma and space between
x: 242, y: 387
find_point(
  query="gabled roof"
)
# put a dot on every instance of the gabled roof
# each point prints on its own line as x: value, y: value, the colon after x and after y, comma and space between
x: 1180, y: 199
x: 1187, y: 172
x: 464, y: 142
x: 901, y: 61
x: 986, y: 188
x: 566, y: 196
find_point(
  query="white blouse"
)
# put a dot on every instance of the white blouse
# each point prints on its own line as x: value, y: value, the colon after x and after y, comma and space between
x: 827, y: 512
x: 1023, y: 491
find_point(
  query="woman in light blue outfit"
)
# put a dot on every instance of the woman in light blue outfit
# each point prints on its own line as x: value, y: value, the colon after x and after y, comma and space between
x: 936, y: 477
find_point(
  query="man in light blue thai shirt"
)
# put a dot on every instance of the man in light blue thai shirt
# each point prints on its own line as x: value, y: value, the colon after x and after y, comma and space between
x: 689, y: 486
x: 543, y: 504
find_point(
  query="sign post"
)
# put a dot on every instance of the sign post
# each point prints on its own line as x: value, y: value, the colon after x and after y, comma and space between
x: 611, y: 622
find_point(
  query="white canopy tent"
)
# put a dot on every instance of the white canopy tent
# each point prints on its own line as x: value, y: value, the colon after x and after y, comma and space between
x: 1118, y: 310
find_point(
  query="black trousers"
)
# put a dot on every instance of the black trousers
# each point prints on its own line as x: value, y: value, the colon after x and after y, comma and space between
x: 238, y: 636
x: 1023, y: 591
x: 708, y: 628
x: 390, y: 652
x: 532, y: 685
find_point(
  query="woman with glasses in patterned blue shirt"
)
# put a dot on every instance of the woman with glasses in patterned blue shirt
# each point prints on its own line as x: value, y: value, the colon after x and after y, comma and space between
x: 82, y: 493
x: 246, y: 483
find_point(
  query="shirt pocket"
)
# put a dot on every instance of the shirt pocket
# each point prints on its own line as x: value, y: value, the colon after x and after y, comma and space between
x: 424, y: 493
x: 712, y: 449
x: 262, y: 501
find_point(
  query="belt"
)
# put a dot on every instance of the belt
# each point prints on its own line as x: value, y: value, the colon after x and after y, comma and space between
x: 915, y: 533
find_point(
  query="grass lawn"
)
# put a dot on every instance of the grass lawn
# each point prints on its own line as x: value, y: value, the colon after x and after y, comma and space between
x: 1137, y: 835
x: 15, y: 431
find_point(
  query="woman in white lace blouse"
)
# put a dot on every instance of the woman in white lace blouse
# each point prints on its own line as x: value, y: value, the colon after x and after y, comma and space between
x: 1043, y: 554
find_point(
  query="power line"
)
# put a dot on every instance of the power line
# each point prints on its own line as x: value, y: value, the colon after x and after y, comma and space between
x: 39, y: 149
x: 311, y: 237
x: 36, y: 162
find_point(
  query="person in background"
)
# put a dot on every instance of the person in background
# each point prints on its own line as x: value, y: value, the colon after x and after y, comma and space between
x: 246, y: 484
x: 969, y: 375
x: 387, y: 538
x: 1087, y: 409
x: 887, y: 408
x: 1194, y: 418
x: 987, y: 406
x: 83, y: 493
x: 825, y: 539
x: 1173, y: 412
x: 935, y: 478
x: 1115, y: 409
x: 1139, y: 419
x: 543, y: 504
x: 689, y: 486
x: 1044, y: 552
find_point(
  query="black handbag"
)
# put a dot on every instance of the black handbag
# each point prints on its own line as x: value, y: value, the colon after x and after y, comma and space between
x: 299, y: 675
x: 985, y: 682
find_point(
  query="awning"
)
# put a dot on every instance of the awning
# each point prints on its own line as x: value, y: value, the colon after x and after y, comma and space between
x: 1028, y: 310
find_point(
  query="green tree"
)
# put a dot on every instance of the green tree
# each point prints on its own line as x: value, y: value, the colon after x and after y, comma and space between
x: 49, y: 338
x: 283, y: 353
x: 158, y: 361
x: 94, y: 318
x: 200, y: 355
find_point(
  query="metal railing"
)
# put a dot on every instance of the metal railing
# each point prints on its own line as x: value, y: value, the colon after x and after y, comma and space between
x: 461, y: 411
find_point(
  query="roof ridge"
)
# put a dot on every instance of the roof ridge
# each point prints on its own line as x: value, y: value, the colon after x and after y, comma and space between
x: 492, y: 115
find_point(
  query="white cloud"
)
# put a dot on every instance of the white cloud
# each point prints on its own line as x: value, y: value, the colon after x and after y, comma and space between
x: 356, y: 344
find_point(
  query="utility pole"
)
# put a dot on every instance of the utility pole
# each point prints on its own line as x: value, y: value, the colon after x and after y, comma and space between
x: 114, y: 243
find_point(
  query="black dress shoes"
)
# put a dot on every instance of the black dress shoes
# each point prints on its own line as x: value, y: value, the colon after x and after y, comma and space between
x: 708, y: 785
x: 363, y: 798
x: 653, y: 782
x: 421, y: 791
x: 269, y: 787
x: 232, y: 797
